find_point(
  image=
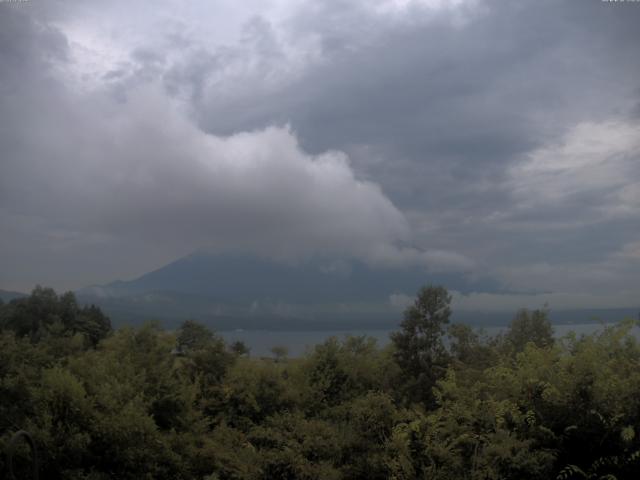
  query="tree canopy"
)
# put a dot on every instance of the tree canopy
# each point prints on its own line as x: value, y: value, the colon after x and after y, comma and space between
x: 419, y: 347
x: 148, y: 403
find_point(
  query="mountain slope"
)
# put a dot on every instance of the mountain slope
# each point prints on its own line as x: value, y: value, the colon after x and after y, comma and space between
x: 229, y: 292
x: 241, y: 291
x: 7, y: 295
x: 242, y: 279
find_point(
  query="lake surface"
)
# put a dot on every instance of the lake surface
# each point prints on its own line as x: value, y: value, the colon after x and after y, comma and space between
x: 261, y: 342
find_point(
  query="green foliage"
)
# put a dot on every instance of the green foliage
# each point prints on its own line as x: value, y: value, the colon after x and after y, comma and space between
x: 45, y: 315
x: 193, y: 336
x: 529, y: 327
x: 420, y: 351
x: 252, y: 392
x: 294, y: 447
x: 339, y: 371
x: 144, y: 403
x: 470, y: 353
x: 239, y: 348
x: 280, y: 352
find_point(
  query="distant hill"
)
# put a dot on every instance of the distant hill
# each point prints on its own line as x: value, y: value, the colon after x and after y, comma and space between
x: 239, y: 292
x: 7, y: 295
x: 234, y: 278
x: 234, y: 291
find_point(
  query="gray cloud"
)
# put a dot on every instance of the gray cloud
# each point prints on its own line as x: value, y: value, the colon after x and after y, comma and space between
x: 144, y: 172
x: 96, y: 172
x: 472, y: 118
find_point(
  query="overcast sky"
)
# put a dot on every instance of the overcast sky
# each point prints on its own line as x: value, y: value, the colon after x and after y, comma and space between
x: 490, y: 139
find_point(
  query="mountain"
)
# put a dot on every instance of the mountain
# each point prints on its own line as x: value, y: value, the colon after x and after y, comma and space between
x: 7, y: 295
x: 232, y: 291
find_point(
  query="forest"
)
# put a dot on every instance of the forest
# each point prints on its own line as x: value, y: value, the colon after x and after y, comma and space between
x: 441, y: 401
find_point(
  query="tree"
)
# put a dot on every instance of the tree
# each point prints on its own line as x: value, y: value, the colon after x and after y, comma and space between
x: 240, y: 348
x: 463, y: 342
x: 193, y: 336
x: 44, y: 314
x: 469, y: 348
x: 93, y: 324
x: 31, y: 316
x: 280, y: 352
x: 420, y: 352
x: 206, y: 361
x: 528, y: 327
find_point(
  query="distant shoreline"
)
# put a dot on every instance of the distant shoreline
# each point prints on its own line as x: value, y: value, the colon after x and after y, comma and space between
x: 260, y: 342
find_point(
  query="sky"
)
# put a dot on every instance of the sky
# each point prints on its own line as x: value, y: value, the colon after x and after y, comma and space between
x: 489, y: 139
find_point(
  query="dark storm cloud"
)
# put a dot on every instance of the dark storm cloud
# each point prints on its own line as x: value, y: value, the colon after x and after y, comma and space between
x: 458, y: 110
x: 447, y: 103
x: 451, y: 107
x: 90, y: 172
x: 439, y: 109
x: 26, y: 47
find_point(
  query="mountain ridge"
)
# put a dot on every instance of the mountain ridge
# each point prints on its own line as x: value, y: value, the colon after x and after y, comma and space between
x: 247, y: 287
x: 8, y: 295
x: 234, y: 291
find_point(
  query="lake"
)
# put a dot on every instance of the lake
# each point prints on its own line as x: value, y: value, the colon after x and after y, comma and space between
x: 298, y: 342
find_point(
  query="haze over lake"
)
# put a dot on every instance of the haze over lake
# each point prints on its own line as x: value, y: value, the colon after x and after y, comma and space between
x: 260, y: 342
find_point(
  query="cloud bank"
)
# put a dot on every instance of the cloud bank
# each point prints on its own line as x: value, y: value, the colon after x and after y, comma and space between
x: 91, y: 171
x: 488, y: 138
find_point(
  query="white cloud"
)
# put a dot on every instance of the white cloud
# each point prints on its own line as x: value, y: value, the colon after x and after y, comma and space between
x: 132, y: 176
x: 558, y: 301
x: 628, y: 252
x: 511, y: 302
x: 145, y: 170
x: 595, y: 159
x: 142, y: 170
x: 435, y: 261
x: 400, y: 7
x: 400, y: 301
x: 587, y: 179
